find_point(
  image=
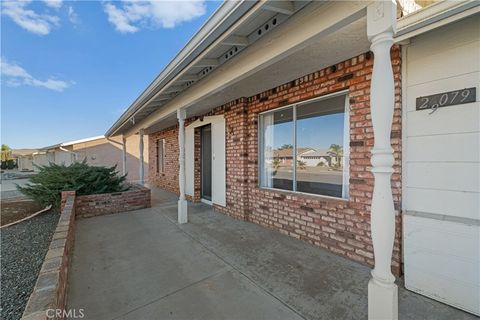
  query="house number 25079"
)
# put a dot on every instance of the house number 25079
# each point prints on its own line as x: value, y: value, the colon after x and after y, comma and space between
x: 446, y: 99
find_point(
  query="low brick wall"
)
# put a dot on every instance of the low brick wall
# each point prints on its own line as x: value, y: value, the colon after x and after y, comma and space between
x: 49, y: 297
x: 137, y: 197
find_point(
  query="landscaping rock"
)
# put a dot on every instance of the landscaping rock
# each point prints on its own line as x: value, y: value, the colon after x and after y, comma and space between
x: 23, y: 249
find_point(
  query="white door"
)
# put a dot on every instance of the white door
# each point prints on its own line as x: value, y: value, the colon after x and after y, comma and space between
x: 218, y: 161
x: 441, y: 165
x: 218, y: 158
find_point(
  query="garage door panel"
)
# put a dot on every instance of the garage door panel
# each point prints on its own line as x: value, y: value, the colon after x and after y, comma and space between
x: 441, y: 165
x: 443, y: 265
x: 441, y: 260
x: 457, y: 204
x: 451, y: 292
x: 447, y: 37
x: 447, y: 120
x: 433, y: 67
x: 444, y: 147
x: 456, y: 176
x: 438, y: 236
x: 461, y: 81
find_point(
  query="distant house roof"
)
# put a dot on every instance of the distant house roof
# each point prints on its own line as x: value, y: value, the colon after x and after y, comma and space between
x: 315, y: 153
x: 23, y: 152
x: 69, y: 143
x: 288, y: 153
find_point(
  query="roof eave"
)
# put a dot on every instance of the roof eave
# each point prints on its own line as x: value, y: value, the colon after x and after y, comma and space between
x: 216, y: 25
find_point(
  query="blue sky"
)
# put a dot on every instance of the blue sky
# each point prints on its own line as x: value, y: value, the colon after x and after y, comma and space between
x: 314, y: 132
x: 70, y: 68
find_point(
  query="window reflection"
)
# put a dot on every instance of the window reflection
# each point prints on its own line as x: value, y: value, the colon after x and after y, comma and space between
x: 277, y: 149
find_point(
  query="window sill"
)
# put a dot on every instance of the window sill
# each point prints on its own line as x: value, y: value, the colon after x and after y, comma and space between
x: 304, y: 194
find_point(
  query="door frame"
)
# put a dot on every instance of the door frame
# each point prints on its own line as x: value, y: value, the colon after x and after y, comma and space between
x: 202, y: 175
x: 218, y: 158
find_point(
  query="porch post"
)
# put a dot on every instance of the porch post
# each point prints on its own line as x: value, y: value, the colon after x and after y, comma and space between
x: 140, y: 158
x: 182, y: 202
x: 124, y: 156
x: 382, y: 291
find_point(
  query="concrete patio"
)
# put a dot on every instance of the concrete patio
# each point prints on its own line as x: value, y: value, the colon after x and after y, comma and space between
x: 143, y: 265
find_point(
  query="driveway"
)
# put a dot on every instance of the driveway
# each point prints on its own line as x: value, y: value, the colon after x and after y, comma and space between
x: 143, y: 265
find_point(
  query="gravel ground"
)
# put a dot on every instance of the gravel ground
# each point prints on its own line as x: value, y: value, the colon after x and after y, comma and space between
x: 23, y: 248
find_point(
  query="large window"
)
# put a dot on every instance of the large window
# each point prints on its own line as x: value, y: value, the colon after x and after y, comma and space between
x: 161, y: 156
x: 304, y: 147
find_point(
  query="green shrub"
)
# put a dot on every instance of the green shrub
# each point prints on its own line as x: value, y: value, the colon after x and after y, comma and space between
x: 51, y: 180
x: 11, y: 164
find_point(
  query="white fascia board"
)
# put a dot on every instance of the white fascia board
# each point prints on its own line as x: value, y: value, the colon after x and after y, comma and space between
x: 434, y: 16
x: 283, y: 7
x: 309, y: 24
x: 220, y: 21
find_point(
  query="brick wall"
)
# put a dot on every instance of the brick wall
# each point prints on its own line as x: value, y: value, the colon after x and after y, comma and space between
x: 167, y: 180
x: 50, y: 292
x: 137, y: 197
x: 341, y: 226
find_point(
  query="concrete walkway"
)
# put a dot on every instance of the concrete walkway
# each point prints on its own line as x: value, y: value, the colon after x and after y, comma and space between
x: 143, y: 265
x: 8, y: 188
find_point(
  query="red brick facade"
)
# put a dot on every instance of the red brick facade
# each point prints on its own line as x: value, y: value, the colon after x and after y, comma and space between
x: 137, y: 197
x: 341, y: 226
x: 167, y: 180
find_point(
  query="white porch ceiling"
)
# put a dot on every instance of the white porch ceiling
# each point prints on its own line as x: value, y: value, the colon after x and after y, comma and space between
x: 319, y: 53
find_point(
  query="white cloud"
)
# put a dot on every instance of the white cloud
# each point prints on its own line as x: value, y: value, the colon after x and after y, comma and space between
x: 119, y: 19
x: 72, y: 15
x: 16, y: 76
x: 28, y: 19
x: 129, y: 16
x: 55, y: 4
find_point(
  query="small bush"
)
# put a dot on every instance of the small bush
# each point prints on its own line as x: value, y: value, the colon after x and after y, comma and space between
x: 11, y: 164
x: 51, y: 180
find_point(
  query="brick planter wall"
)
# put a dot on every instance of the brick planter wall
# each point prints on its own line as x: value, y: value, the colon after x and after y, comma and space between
x: 341, y: 226
x: 138, y: 197
x: 50, y: 292
x: 49, y: 296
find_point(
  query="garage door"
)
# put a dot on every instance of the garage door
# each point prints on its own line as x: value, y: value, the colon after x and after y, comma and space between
x: 441, y: 164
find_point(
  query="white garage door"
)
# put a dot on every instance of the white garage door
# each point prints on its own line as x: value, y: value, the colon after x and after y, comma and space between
x: 442, y: 166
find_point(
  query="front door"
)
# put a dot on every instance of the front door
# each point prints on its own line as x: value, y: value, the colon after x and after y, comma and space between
x: 206, y: 162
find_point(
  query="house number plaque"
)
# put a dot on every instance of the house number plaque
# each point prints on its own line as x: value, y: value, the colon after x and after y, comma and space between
x: 446, y: 99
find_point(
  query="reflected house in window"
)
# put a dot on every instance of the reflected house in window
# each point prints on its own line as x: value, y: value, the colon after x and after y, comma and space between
x: 301, y: 147
x: 318, y: 158
x: 285, y: 156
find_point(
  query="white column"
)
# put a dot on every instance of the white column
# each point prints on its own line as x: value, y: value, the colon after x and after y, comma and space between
x: 140, y: 158
x: 124, y: 155
x: 382, y: 291
x: 182, y: 202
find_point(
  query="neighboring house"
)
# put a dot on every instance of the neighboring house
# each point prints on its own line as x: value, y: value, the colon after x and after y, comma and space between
x: 269, y: 73
x: 315, y: 158
x: 24, y: 158
x: 285, y: 156
x: 98, y: 151
x: 41, y: 158
x: 101, y: 151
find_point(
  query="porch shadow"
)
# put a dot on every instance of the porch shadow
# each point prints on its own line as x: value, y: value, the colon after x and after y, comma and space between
x: 143, y: 265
